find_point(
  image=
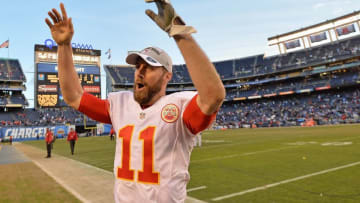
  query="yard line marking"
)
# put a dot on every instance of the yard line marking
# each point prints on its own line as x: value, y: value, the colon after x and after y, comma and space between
x: 256, y: 152
x: 221, y: 145
x: 346, y: 139
x: 226, y: 143
x: 196, y: 188
x: 284, y: 182
x: 244, y: 154
x: 193, y: 200
x: 213, y: 141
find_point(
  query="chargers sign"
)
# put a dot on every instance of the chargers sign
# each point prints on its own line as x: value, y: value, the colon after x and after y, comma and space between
x: 31, y: 133
x: 49, y: 43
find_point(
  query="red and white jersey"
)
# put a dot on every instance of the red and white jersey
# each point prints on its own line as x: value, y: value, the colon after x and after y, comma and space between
x: 153, y: 148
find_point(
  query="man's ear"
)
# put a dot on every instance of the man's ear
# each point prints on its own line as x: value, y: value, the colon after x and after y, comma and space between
x: 168, y: 76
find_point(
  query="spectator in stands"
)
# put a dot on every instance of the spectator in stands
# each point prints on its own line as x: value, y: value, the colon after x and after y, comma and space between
x: 48, y: 140
x: 72, y: 138
x: 324, y: 108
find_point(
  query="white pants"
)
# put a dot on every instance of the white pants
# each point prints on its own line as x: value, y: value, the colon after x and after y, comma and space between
x: 198, y: 140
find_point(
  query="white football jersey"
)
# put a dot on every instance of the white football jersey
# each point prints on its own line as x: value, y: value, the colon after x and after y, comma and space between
x: 153, y: 148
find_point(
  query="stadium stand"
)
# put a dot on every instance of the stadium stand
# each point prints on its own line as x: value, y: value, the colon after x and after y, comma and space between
x: 256, y: 66
x: 43, y: 117
x: 12, y: 85
x: 13, y: 102
x: 325, y: 108
x: 10, y: 70
x: 320, y: 84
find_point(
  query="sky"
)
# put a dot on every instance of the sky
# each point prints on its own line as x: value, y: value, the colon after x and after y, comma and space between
x: 227, y: 29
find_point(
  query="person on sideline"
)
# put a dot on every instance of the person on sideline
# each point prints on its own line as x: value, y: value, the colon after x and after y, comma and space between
x: 112, y: 133
x: 48, y: 140
x: 72, y: 138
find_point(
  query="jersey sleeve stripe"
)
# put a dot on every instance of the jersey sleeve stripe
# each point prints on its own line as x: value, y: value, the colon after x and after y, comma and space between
x: 95, y: 108
x: 194, y: 119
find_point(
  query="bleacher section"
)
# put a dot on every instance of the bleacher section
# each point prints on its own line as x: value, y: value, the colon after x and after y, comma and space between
x: 12, y: 84
x: 43, y: 117
x: 325, y: 108
x: 10, y: 70
x: 256, y: 66
x: 261, y: 89
x: 13, y: 102
x: 307, y: 83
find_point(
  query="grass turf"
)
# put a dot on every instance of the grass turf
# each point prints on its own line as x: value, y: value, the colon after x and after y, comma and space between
x: 25, y: 182
x: 232, y: 161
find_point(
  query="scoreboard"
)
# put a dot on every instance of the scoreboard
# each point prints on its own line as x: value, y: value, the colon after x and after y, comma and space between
x: 47, y: 88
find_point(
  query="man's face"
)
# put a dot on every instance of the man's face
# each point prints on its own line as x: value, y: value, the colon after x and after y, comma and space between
x: 148, y: 81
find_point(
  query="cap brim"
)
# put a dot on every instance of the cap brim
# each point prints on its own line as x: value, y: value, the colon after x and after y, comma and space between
x: 133, y: 57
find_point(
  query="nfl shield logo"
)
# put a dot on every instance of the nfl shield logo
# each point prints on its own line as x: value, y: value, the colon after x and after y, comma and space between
x: 142, y: 115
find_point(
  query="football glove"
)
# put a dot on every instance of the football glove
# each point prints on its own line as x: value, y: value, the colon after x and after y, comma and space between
x: 167, y: 19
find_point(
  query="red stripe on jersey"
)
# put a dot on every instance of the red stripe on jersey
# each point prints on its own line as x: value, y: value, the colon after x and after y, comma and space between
x: 194, y: 119
x: 95, y: 108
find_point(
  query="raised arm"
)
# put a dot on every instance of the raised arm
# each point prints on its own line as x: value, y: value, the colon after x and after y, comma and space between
x: 62, y: 32
x: 202, y: 72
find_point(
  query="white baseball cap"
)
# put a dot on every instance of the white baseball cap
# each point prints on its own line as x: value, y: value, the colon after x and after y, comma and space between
x: 154, y: 56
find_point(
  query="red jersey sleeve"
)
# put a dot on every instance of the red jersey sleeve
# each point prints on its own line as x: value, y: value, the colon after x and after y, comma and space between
x: 194, y: 119
x: 95, y: 108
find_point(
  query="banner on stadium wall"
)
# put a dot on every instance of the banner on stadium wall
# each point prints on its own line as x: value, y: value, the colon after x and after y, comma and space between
x: 286, y: 93
x: 53, y: 68
x: 305, y: 90
x: 107, y: 128
x: 103, y: 129
x: 254, y: 97
x: 239, y: 99
x: 323, y: 88
x: 270, y: 95
x: 31, y: 133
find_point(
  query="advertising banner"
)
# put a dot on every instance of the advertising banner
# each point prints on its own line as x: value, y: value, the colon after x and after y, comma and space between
x: 32, y: 133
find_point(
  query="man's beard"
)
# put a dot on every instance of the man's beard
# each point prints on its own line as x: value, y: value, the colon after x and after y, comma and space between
x: 145, y: 96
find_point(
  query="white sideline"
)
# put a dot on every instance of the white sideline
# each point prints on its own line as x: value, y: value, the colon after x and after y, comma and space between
x: 284, y: 182
x: 78, y: 195
x: 87, y: 165
x: 62, y: 183
x: 196, y: 188
x: 243, y: 154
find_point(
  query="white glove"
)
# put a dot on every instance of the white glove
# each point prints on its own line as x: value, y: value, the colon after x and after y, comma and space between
x: 167, y: 19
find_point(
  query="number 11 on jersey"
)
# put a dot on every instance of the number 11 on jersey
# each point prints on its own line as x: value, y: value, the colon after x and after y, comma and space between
x: 147, y: 174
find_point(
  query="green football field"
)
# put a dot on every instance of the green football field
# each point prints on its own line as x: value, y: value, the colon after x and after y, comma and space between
x: 318, y: 164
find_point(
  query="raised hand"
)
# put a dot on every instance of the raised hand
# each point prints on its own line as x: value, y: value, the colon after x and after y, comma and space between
x: 62, y: 30
x: 167, y: 19
x: 166, y: 14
